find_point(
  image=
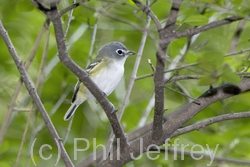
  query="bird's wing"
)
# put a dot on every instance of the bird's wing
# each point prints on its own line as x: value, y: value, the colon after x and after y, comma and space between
x: 92, y: 65
x: 89, y: 68
x: 77, y: 85
x: 76, y: 90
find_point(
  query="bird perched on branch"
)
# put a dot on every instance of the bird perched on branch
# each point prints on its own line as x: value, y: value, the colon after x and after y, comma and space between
x: 106, y: 71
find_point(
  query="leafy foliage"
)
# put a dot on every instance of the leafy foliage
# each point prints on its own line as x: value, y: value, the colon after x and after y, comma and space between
x: 123, y: 21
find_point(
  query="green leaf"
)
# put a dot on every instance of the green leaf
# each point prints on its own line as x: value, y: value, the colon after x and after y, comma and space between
x: 246, y: 63
x: 24, y: 6
x: 207, y: 80
x: 229, y: 76
x: 196, y: 20
x: 211, y: 61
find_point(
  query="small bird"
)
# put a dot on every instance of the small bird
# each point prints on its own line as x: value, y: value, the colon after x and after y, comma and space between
x: 106, y: 71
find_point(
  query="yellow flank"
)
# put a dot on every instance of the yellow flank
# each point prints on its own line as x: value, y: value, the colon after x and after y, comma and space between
x: 82, y: 90
x: 99, y: 67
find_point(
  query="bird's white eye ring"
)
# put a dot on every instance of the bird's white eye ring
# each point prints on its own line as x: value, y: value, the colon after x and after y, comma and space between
x: 120, y: 52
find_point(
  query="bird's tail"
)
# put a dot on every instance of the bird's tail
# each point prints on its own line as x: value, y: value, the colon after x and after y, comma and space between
x: 70, y: 111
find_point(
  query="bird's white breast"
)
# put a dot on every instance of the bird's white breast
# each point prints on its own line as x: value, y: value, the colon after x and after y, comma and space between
x: 110, y: 76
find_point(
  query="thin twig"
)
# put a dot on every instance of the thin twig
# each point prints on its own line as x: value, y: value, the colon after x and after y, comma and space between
x: 44, y: 57
x: 178, y: 78
x: 151, y: 65
x: 70, y: 18
x: 70, y: 8
x: 194, y: 64
x: 92, y: 41
x: 68, y: 130
x: 166, y: 71
x: 208, y: 26
x: 24, y: 136
x: 32, y: 138
x: 210, y: 121
x: 42, y: 125
x: 182, y: 89
x: 243, y: 73
x: 172, y: 76
x: 60, y: 101
x: 236, y: 53
x: 146, y: 113
x: 195, y: 100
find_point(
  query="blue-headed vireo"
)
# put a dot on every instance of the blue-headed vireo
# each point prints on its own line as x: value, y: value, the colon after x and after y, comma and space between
x: 106, y: 71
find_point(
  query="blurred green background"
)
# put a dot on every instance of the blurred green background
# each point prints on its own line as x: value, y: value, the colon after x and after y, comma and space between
x: 119, y: 21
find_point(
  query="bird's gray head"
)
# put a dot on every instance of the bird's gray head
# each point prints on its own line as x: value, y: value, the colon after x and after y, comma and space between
x: 115, y: 50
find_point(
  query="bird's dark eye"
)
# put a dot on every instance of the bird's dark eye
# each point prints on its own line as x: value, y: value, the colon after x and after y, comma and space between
x: 120, y: 52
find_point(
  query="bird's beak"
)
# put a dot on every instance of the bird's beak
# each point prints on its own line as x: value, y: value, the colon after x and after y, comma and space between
x: 129, y: 52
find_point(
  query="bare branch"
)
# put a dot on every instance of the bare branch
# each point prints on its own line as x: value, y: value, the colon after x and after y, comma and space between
x: 195, y: 100
x: 171, y: 20
x: 206, y: 27
x: 39, y: 80
x: 19, y: 84
x: 243, y: 73
x: 236, y: 53
x: 157, y: 130
x: 147, y: 10
x: 70, y: 8
x: 93, y: 39
x: 40, y: 6
x: 160, y: 131
x: 69, y: 19
x: 187, y: 112
x: 147, y: 111
x: 210, y: 121
x: 109, y: 109
x: 146, y: 129
x: 24, y: 135
x: 166, y: 71
x: 32, y: 91
x: 159, y: 72
x: 178, y: 78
